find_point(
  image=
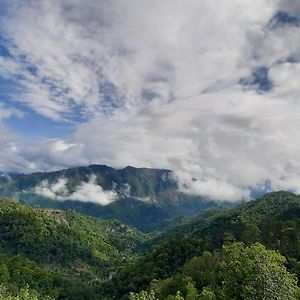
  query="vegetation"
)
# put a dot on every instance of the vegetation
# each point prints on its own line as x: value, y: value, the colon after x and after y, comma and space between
x: 235, y: 272
x: 24, y: 294
x: 60, y: 253
x: 148, y: 199
x: 249, y: 252
x: 273, y: 221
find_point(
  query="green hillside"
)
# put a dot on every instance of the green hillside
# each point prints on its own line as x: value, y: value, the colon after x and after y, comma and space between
x: 59, y: 252
x: 273, y: 220
x: 248, y: 252
x: 145, y: 198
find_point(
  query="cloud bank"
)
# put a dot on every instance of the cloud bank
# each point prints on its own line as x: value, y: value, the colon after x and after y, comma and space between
x: 208, y: 89
x: 86, y: 192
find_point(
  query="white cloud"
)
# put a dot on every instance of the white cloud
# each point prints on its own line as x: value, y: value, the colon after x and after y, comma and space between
x: 211, y: 188
x: 8, y: 112
x: 136, y: 46
x: 286, y: 79
x: 18, y: 155
x: 86, y: 192
x: 171, y: 71
x: 290, y: 6
x: 92, y: 192
x: 55, y: 190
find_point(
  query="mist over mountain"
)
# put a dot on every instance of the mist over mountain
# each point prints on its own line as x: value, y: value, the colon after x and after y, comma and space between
x: 200, y: 100
x: 145, y: 198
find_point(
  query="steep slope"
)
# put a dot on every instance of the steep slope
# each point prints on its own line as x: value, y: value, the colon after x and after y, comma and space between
x: 139, y: 197
x: 65, y: 249
x: 67, y: 255
x: 273, y: 220
x: 236, y: 271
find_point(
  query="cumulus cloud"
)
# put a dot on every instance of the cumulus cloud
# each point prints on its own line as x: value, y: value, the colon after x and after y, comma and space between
x: 9, y: 159
x: 86, y: 192
x: 161, y: 84
x: 52, y: 190
x: 8, y: 112
x: 211, y: 188
x: 19, y: 155
x: 92, y: 192
x: 68, y: 55
x: 290, y: 6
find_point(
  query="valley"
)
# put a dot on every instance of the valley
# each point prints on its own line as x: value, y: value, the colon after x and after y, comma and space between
x: 62, y: 254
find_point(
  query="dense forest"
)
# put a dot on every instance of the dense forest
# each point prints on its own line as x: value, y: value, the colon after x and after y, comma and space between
x: 248, y: 252
x: 64, y: 255
x: 271, y: 222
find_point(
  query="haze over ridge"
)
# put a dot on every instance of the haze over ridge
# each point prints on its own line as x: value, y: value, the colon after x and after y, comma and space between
x: 207, y: 89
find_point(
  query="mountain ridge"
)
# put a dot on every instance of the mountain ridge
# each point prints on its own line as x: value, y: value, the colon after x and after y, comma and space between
x: 141, y: 197
x: 85, y: 167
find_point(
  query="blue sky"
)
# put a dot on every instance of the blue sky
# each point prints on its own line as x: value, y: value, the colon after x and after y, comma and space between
x: 152, y: 84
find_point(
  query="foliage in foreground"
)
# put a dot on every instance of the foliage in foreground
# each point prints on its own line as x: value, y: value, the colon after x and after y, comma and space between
x: 24, y: 294
x: 273, y: 220
x: 235, y: 272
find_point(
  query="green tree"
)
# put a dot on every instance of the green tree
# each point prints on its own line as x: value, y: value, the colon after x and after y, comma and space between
x: 207, y: 294
x: 178, y: 296
x: 24, y: 294
x: 253, y: 273
x: 251, y: 234
x: 192, y: 293
x: 4, y: 273
x: 144, y: 295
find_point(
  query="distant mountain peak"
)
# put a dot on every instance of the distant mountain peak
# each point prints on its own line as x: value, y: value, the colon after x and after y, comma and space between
x: 142, y: 197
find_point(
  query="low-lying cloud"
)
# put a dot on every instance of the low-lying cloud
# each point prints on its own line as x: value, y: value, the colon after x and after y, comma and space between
x: 208, y: 89
x: 211, y: 188
x: 86, y: 192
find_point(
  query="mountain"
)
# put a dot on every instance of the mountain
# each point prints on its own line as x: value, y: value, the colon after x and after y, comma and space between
x: 147, y: 199
x: 273, y: 221
x: 61, y: 254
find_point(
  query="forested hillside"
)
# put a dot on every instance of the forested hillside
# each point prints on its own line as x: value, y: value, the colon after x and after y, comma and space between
x: 61, y: 254
x: 273, y: 221
x: 248, y: 252
x: 147, y: 199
